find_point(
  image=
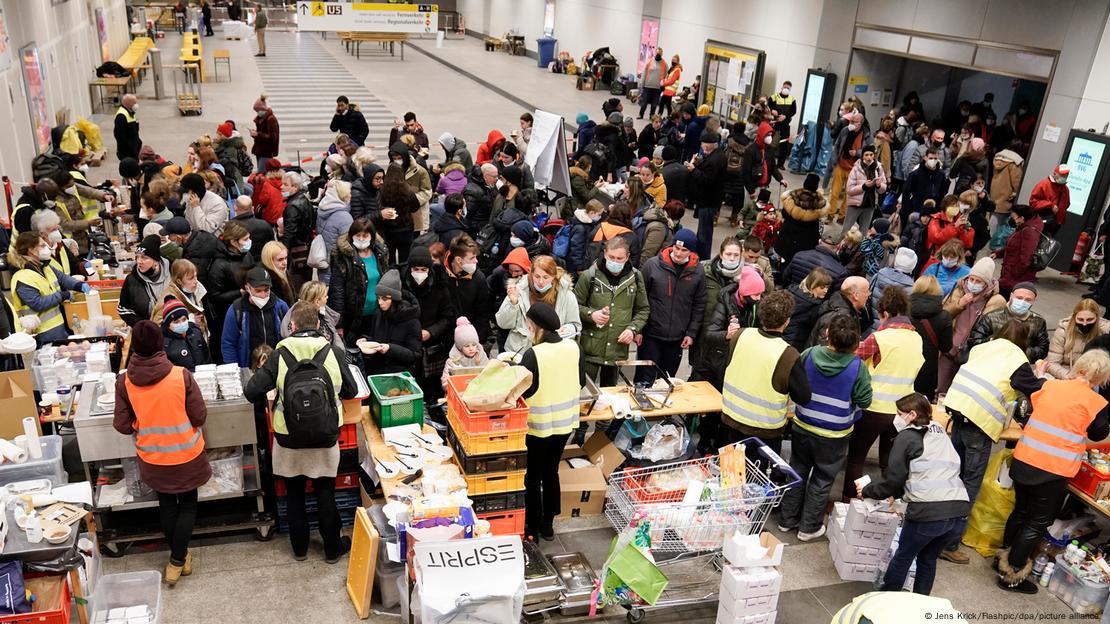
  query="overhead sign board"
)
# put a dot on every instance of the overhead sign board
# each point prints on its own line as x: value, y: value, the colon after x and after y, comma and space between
x: 367, y: 17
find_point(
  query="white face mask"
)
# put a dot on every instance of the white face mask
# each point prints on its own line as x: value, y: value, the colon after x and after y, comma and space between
x: 44, y: 254
x: 899, y: 424
x: 767, y: 139
x: 54, y: 237
x: 419, y: 277
x: 931, y: 163
x: 259, y: 302
x: 974, y: 287
x: 853, y: 127
x: 785, y: 91
x: 470, y: 267
x: 361, y: 243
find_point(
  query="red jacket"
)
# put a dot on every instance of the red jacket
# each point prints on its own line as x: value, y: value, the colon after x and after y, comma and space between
x: 268, y: 202
x: 1017, y: 255
x: 942, y: 230
x: 1048, y: 194
x: 489, y: 149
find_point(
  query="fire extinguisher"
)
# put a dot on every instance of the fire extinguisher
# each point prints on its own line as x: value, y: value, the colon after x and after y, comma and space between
x: 1082, y: 246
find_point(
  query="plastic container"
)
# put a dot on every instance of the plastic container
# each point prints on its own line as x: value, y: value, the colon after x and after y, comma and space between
x: 496, y: 421
x: 509, y: 522
x: 60, y: 615
x: 343, y: 481
x: 136, y: 487
x: 487, y: 443
x: 479, y: 464
x: 348, y: 437
x: 1084, y: 597
x: 545, y: 51
x: 392, y: 411
x: 492, y: 503
x: 227, y: 472
x: 128, y: 589
x: 48, y: 467
x: 493, y: 483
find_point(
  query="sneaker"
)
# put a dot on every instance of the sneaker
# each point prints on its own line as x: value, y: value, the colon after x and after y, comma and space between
x: 809, y: 537
x: 548, y: 533
x: 344, y: 548
x: 955, y: 556
x: 297, y: 557
x: 1024, y: 587
x: 172, y: 575
x: 787, y: 529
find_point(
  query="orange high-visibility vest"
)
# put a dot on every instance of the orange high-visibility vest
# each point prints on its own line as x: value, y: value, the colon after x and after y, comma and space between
x: 606, y: 231
x: 1055, y: 437
x: 163, y: 434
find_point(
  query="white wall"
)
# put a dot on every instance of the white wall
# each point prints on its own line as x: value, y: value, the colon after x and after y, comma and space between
x: 496, y: 17
x: 69, y: 51
x: 582, y: 25
x: 1094, y: 109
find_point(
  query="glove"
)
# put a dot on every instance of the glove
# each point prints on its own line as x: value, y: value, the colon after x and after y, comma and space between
x: 85, y: 288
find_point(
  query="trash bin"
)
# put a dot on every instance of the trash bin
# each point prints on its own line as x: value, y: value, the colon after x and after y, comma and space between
x: 546, y: 49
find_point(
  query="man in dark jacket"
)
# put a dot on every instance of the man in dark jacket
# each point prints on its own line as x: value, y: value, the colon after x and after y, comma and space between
x: 675, y: 174
x: 299, y: 219
x: 737, y: 151
x: 707, y: 183
x: 451, y: 221
x: 253, y: 320
x: 411, y: 126
x: 366, y: 199
x: 196, y: 246
x: 479, y: 193
x: 261, y: 232
x: 427, y: 281
x: 1019, y: 308
x: 266, y: 134
x: 676, y: 291
x: 824, y: 256
x: 695, y: 125
x: 467, y: 285
x: 611, y: 135
x: 142, y: 289
x: 126, y: 129
x: 927, y: 181
x: 349, y: 120
x: 851, y: 300
x: 649, y: 137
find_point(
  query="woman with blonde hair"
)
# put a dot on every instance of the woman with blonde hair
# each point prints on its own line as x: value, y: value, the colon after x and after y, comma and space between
x: 186, y: 288
x: 316, y: 293
x: 275, y: 257
x: 1072, y: 336
x: 546, y: 282
x: 935, y: 326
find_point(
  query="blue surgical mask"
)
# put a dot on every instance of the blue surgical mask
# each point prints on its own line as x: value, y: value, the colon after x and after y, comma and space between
x: 515, y: 242
x: 245, y: 246
x: 180, y: 328
x: 544, y: 289
x: 1020, y: 307
x: 614, y: 267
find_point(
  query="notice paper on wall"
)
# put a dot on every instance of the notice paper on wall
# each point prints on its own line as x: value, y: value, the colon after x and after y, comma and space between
x: 1051, y: 133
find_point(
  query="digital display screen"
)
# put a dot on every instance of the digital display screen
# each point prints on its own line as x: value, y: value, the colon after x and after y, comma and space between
x: 1083, y: 160
x: 815, y: 88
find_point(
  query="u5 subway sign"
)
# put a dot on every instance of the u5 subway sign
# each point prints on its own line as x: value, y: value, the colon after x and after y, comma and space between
x: 367, y: 17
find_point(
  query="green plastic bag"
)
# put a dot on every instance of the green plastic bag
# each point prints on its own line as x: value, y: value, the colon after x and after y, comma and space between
x: 991, y: 510
x: 630, y: 569
x: 497, y: 387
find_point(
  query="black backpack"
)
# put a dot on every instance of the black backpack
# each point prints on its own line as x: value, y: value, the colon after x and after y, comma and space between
x: 308, y: 402
x: 489, y: 243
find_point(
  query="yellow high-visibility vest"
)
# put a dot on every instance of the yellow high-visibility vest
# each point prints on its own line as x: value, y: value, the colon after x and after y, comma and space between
x: 46, y: 285
x: 90, y: 208
x: 981, y: 390
x: 901, y: 358
x: 554, y: 408
x: 749, y: 397
x: 896, y: 607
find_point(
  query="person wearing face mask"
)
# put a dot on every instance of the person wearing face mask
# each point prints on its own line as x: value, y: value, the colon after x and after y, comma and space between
x: 973, y: 297
x: 922, y: 184
x: 670, y: 85
x: 394, y: 219
x: 205, y: 210
x: 481, y: 191
x: 1066, y: 413
x: 47, y: 225
x: 846, y: 151
x: 395, y: 329
x: 1072, y: 336
x: 582, y: 225
x: 1017, y: 254
x: 784, y: 107
x: 450, y: 222
x: 971, y: 164
x: 225, y: 280
x: 254, y: 319
x: 676, y: 291
x: 125, y: 128
x: 1018, y: 307
x: 924, y: 471
x: 1050, y: 199
x: 544, y: 282
x: 707, y: 179
x: 467, y: 284
x: 948, y: 266
x: 186, y: 289
x: 651, y: 82
x: 141, y: 293
x: 186, y: 345
x: 42, y: 195
x: 427, y: 281
x: 260, y: 231
x: 720, y: 271
x: 297, y: 224
x: 357, y: 263
x: 865, y: 187
x: 266, y: 133
x: 38, y: 289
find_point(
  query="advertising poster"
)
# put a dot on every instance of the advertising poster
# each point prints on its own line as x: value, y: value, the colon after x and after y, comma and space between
x: 36, y: 95
x: 1084, y: 160
x: 649, y: 39
x: 5, y: 44
x: 102, y: 34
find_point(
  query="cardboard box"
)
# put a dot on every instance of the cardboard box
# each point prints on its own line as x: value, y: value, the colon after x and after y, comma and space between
x: 17, y: 401
x: 854, y: 571
x: 860, y: 519
x: 739, y: 607
x: 750, y: 582
x: 851, y: 553
x: 583, y: 488
x: 868, y: 539
x: 736, y: 551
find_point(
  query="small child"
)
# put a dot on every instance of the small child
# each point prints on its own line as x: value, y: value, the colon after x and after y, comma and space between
x: 877, y: 246
x: 184, y: 339
x: 767, y: 226
x: 749, y: 213
x: 848, y: 251
x: 466, y: 352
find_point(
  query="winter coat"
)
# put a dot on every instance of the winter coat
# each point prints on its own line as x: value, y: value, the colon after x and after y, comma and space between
x: 646, y: 141
x: 855, y: 189
x: 585, y: 134
x: 348, y: 283
x: 366, y: 201
x: 1006, y: 180
x: 943, y: 154
x: 943, y: 228
x: 189, y: 350
x: 268, y: 202
x: 964, y: 171
x: 947, y: 278
x: 578, y: 249
x: 447, y: 227
x: 921, y: 184
x: 228, y: 273
x: 716, y: 350
x: 987, y: 328
x: 126, y: 134
x: 1047, y: 194
x: 511, y: 317
x: 1017, y: 254
x: 267, y: 136
x: 260, y: 231
x: 738, y: 165
x: 803, y: 319
x: 714, y: 282
x: 239, y: 321
x: 479, y: 200
x: 298, y: 219
x: 837, y: 303
x: 887, y: 276
x: 613, y: 137
x: 907, y: 158
x: 802, y: 212
x: 1060, y: 361
x: 804, y: 262
x: 399, y: 327
x: 677, y: 297
x: 581, y: 189
x: 694, y: 128
x: 333, y: 219
x: 471, y: 298
x: 884, y: 152
x: 657, y: 190
x: 209, y: 215
x: 147, y: 371
x: 407, y: 205
x: 707, y: 180
x: 675, y: 177
x: 656, y: 232
x: 351, y: 123
x: 489, y: 149
x: 627, y: 299
x: 460, y: 154
x: 141, y: 295
x: 502, y: 225
x: 232, y: 151
x: 934, y: 325
x: 201, y: 249
x: 437, y: 312
x: 454, y: 181
x: 964, y: 318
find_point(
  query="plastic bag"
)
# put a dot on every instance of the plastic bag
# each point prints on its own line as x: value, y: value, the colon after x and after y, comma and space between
x: 93, y: 138
x: 498, y: 386
x: 13, y: 598
x: 998, y: 240
x: 991, y: 510
x: 663, y: 442
x: 318, y: 253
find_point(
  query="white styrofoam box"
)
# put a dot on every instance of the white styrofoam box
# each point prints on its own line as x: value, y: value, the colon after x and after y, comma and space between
x: 867, y: 539
x: 849, y: 553
x: 840, y: 510
x: 750, y: 582
x: 754, y: 551
x: 855, y: 571
x: 859, y: 519
x: 738, y: 607
x: 724, y: 617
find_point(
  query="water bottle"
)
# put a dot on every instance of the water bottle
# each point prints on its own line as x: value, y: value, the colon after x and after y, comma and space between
x: 1039, y: 565
x: 34, y: 529
x: 1046, y: 574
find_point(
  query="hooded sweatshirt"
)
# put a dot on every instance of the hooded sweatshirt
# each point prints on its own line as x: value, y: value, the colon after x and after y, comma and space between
x: 365, y: 199
x: 487, y: 150
x: 333, y: 218
x: 140, y: 294
x: 830, y: 363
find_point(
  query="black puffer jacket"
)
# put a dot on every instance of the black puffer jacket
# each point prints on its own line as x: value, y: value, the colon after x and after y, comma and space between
x: 447, y: 226
x: 227, y: 275
x: 802, y: 211
x: 479, y: 201
x: 706, y: 184
x: 437, y: 311
x: 399, y: 327
x: 140, y: 294
x: 299, y: 218
x: 200, y: 249
x: 365, y: 199
x: 716, y: 350
x: 803, y: 319
x: 737, y: 163
x: 820, y: 256
x: 837, y: 303
x: 613, y: 137
x: 503, y: 225
x: 188, y: 351
x: 676, y: 295
x: 934, y: 324
x: 348, y: 282
x: 471, y: 298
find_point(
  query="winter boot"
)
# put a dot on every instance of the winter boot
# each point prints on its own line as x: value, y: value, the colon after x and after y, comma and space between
x: 1014, y: 580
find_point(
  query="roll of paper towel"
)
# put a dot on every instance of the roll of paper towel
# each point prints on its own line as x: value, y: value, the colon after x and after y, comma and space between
x: 12, y: 453
x: 31, y: 430
x: 92, y: 305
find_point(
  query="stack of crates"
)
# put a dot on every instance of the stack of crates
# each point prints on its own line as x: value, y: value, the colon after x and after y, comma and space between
x: 347, y: 497
x: 489, y: 450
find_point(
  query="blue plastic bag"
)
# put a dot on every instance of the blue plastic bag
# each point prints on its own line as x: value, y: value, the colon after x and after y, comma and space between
x: 13, y: 594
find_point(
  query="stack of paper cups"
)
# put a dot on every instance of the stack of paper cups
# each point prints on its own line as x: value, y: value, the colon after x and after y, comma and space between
x: 92, y: 305
x: 31, y: 430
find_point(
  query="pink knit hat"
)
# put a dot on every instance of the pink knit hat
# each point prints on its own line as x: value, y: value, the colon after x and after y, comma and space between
x: 260, y: 104
x: 751, y: 282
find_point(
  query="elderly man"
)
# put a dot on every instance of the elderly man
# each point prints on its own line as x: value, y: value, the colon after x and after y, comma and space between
x: 851, y: 299
x: 261, y: 232
x: 1020, y: 307
x: 479, y: 193
x: 126, y: 129
x: 707, y: 185
x: 823, y: 255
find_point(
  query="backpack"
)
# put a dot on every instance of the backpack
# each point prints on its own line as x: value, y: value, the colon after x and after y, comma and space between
x: 488, y: 245
x: 561, y: 245
x: 601, y: 156
x: 49, y: 165
x: 1047, y: 248
x: 308, y: 402
x: 734, y: 158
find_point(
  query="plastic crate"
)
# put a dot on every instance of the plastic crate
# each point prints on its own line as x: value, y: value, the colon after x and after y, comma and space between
x: 493, y: 503
x: 343, y: 481
x: 348, y: 437
x: 493, y: 483
x: 349, y: 460
x: 1084, y: 597
x: 393, y: 411
x: 49, y: 466
x: 509, y: 522
x: 346, y: 520
x: 638, y: 486
x: 49, y: 616
x: 479, y: 464
x: 487, y: 443
x: 1090, y: 480
x: 128, y: 589
x: 497, y: 421
x: 345, y: 500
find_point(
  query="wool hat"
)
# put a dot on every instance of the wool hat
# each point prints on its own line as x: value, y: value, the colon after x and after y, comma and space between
x: 983, y: 269
x: 275, y: 165
x: 519, y: 257
x: 178, y: 225
x: 173, y: 309
x: 670, y: 153
x: 544, y: 316
x: 151, y: 247
x: 615, y: 118
x: 147, y: 153
x: 1062, y: 169
x: 447, y: 140
x: 153, y: 228
x: 129, y: 168
x: 513, y: 175
x: 225, y: 129
x: 581, y: 118
x: 524, y: 230
x: 764, y: 195
x: 686, y: 238
x: 659, y: 151
x: 881, y: 225
x: 389, y: 285
x: 811, y: 183
x: 465, y: 333
x: 751, y: 282
x: 510, y: 150
x: 708, y: 136
x: 419, y: 256
x: 905, y: 259
x: 258, y: 276
x: 629, y: 122
x: 1030, y: 286
x: 146, y: 338
x: 867, y: 148
x: 260, y: 105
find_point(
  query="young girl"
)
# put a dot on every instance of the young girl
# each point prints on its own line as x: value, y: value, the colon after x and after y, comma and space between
x: 949, y: 267
x: 768, y: 225
x: 467, y: 351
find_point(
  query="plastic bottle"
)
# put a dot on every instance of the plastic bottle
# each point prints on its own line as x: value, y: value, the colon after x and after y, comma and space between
x: 1046, y: 574
x: 34, y: 529
x: 1039, y: 565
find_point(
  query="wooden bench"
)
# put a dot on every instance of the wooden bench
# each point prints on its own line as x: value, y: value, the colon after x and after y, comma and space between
x: 352, y: 41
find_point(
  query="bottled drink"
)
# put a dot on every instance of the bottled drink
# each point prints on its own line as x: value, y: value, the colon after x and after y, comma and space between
x: 1039, y: 565
x: 1046, y: 574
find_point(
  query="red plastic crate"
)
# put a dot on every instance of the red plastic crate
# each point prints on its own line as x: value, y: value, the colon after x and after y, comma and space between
x: 1088, y: 479
x: 510, y: 522
x: 638, y: 487
x: 53, y: 616
x: 348, y: 436
x: 343, y: 481
x: 498, y: 421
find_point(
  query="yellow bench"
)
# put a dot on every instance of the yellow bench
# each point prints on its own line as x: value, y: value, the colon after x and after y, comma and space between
x: 136, y: 52
x: 192, y: 53
x: 354, y: 40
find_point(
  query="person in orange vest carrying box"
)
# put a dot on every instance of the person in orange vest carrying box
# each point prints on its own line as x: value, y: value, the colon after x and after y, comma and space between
x: 161, y: 405
x: 1066, y: 412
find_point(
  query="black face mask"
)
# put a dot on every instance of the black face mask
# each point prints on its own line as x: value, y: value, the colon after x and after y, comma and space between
x: 1085, y: 328
x: 659, y: 57
x: 151, y: 272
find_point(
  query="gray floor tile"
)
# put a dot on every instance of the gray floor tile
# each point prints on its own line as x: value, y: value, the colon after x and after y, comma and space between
x: 800, y: 607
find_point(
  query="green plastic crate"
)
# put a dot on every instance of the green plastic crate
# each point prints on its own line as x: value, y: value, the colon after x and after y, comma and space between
x: 390, y: 411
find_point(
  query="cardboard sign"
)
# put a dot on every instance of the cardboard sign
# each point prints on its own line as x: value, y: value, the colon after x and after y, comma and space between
x: 470, y: 577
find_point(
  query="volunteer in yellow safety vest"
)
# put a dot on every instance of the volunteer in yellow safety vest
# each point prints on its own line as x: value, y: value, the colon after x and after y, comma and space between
x: 762, y: 374
x: 43, y: 194
x: 38, y: 289
x: 88, y: 196
x: 162, y: 407
x: 896, y: 607
x: 924, y: 471
x: 979, y: 402
x: 553, y: 402
x: 1066, y: 413
x: 47, y: 224
x: 894, y: 356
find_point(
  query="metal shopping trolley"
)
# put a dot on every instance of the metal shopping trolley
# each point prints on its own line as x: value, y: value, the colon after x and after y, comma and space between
x: 687, y: 525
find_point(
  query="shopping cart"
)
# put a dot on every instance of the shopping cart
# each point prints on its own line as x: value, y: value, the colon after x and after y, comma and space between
x: 690, y: 533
